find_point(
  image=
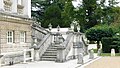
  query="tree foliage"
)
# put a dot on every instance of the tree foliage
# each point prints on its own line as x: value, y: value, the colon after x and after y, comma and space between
x: 88, y: 14
x: 52, y: 15
x: 68, y: 13
x: 98, y: 32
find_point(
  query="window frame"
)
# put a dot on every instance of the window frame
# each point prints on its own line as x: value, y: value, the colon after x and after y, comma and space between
x: 10, y: 37
x: 22, y: 36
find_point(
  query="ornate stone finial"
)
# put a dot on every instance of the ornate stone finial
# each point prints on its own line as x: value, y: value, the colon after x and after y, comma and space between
x: 58, y: 28
x: 72, y: 26
x: 50, y: 27
x: 78, y: 27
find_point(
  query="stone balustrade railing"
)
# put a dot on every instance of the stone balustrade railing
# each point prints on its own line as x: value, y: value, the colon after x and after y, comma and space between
x: 68, y: 44
x: 85, y: 46
x: 17, y: 57
x: 45, y: 43
x: 64, y: 48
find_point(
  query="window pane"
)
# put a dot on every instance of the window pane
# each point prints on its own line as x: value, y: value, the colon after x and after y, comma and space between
x: 22, y: 36
x: 10, y: 37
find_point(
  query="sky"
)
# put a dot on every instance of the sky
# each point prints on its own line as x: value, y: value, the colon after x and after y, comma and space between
x: 77, y: 2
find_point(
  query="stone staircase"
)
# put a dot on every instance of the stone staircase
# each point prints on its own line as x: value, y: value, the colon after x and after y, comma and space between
x: 50, y: 54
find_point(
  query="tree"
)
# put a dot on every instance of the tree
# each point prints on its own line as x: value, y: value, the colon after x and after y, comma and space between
x: 52, y: 15
x: 98, y: 32
x: 89, y: 7
x: 68, y: 13
x: 38, y: 9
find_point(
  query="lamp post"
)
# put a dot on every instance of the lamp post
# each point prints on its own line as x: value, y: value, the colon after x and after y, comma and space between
x: 50, y: 27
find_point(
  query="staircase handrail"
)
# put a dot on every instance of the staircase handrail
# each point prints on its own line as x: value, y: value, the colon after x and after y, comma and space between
x: 45, y: 43
x: 85, y: 45
x: 68, y: 43
x: 37, y: 27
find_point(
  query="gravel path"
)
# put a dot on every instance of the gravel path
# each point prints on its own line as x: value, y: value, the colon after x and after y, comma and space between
x: 105, y: 62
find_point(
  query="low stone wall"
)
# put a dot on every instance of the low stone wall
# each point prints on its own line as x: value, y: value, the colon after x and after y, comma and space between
x: 13, y: 58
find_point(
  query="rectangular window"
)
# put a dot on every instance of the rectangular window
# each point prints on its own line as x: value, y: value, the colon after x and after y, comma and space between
x: 10, y: 37
x: 22, y: 36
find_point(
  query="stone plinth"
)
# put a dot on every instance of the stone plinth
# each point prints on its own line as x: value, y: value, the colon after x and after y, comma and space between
x: 80, y: 58
x: 91, y: 54
x: 60, y: 54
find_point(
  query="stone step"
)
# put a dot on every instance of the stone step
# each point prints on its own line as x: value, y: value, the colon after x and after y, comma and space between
x: 49, y: 56
x: 48, y: 59
x: 50, y: 53
x: 51, y: 49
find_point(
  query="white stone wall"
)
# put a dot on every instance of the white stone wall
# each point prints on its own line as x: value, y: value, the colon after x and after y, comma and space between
x: 1, y: 5
x: 26, y: 9
x: 16, y: 27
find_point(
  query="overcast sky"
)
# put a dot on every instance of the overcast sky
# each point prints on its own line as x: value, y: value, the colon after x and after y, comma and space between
x: 77, y: 2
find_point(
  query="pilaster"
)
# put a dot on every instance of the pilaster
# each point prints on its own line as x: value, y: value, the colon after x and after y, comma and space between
x: 1, y: 5
x: 14, y: 6
x: 27, y: 8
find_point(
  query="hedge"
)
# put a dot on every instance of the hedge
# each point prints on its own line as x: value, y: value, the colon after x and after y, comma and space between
x: 107, y: 45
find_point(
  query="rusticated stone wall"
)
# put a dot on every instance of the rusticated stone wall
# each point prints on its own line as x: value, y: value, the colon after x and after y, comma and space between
x: 17, y: 26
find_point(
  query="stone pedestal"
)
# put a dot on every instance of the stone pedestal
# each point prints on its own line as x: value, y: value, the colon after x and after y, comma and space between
x: 74, y: 50
x: 99, y: 52
x: 37, y: 56
x: 91, y: 54
x: 80, y: 59
x: 60, y: 54
x: 112, y: 52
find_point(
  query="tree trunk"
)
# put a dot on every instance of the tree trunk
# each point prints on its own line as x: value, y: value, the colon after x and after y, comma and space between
x: 98, y: 45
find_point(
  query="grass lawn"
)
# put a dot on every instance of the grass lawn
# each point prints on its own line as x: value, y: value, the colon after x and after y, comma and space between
x: 109, y: 54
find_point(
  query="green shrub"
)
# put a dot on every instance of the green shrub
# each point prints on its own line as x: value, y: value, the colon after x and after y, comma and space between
x: 98, y: 32
x: 107, y: 45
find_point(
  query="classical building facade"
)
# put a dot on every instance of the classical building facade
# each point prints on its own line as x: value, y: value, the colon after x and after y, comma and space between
x: 15, y: 25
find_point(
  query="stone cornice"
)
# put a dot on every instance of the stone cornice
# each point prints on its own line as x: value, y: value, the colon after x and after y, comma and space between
x: 15, y: 19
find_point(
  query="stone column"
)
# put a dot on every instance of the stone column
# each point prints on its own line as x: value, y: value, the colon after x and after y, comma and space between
x: 1, y: 5
x: 14, y: 6
x: 27, y: 8
x: 60, y: 54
